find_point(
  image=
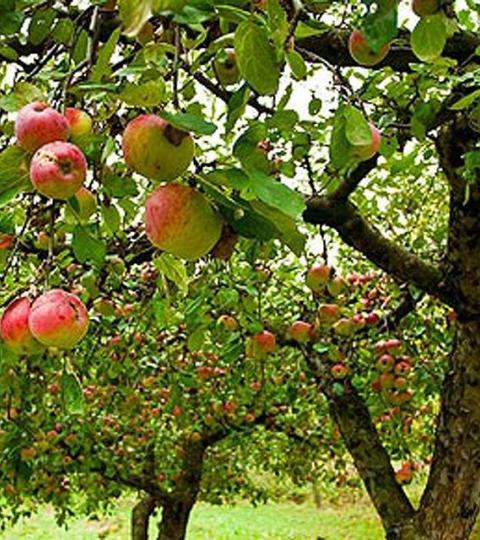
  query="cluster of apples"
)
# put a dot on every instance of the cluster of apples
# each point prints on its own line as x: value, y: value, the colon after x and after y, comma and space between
x: 55, y: 319
x: 57, y: 168
x: 394, y: 370
x: 179, y: 219
x: 363, y: 53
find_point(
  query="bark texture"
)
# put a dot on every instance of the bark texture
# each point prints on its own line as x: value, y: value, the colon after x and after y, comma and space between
x: 141, y: 517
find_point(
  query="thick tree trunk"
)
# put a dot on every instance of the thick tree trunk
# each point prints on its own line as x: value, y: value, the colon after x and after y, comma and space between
x: 174, y: 522
x: 140, y: 518
x: 449, y: 505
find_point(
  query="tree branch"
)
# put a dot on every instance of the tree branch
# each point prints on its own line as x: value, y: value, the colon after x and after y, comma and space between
x: 332, y: 46
x: 386, y: 254
x: 361, y: 438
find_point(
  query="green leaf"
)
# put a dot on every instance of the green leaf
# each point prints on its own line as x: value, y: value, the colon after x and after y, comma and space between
x: 357, y: 130
x: 285, y: 225
x: 340, y: 148
x: 88, y: 248
x: 22, y: 94
x: 101, y: 67
x: 382, y: 26
x: 149, y: 94
x: 41, y: 25
x: 134, y: 14
x: 429, y: 37
x: 174, y: 270
x: 256, y: 58
x: 276, y: 194
x: 72, y: 394
x: 190, y: 122
x: 63, y: 31
x: 14, y: 174
x: 111, y: 217
x: 297, y: 64
x: 466, y: 101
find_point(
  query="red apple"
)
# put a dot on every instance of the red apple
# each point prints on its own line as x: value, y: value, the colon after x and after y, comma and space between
x: 181, y: 221
x: 363, y: 53
x: 318, y: 276
x: 14, y: 328
x: 403, y: 368
x: 263, y: 343
x: 156, y: 149
x: 339, y: 371
x: 6, y: 241
x: 328, y: 312
x: 385, y: 363
x: 58, y: 319
x: 58, y: 170
x: 301, y: 331
x: 372, y: 318
x: 38, y: 124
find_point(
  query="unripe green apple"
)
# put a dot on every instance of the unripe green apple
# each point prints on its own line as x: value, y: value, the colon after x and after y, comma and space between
x: 344, y: 327
x: 79, y: 121
x: 336, y: 286
x: 227, y: 322
x: 366, y: 152
x: 423, y: 8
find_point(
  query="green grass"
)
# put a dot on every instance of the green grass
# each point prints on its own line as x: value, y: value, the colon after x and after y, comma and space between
x: 283, y: 521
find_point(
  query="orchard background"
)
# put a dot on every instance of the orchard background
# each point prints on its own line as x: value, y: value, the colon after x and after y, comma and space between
x: 239, y: 256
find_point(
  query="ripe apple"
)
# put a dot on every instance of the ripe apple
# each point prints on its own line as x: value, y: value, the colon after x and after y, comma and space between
x: 58, y: 319
x: 225, y: 67
x: 181, y: 221
x: 58, y: 170
x: 400, y: 383
x: 156, y: 149
x: 386, y: 380
x: 423, y: 8
x: 6, y: 241
x: 385, y: 363
x: 14, y: 328
x: 318, y: 276
x: 362, y: 52
x: 339, y: 371
x: 328, y: 312
x: 263, y: 343
x: 403, y: 368
x: 38, y: 124
x: 301, y: 331
x: 372, y: 318
x: 405, y: 474
x: 377, y: 385
x: 87, y: 204
x: 79, y: 121
x: 364, y: 153
x: 228, y: 322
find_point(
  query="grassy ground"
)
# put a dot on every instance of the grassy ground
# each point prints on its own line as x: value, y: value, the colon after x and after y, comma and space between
x: 285, y: 521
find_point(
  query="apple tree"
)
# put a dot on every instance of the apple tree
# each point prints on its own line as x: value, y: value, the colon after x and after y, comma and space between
x: 247, y: 130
